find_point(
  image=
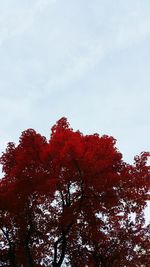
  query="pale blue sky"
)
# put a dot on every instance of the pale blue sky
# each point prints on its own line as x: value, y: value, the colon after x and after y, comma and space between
x: 86, y: 60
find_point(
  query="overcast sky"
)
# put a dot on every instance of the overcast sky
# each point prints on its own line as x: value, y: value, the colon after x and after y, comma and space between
x: 86, y: 60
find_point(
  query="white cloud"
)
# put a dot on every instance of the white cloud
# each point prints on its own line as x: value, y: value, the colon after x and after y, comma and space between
x: 66, y: 42
x: 124, y: 31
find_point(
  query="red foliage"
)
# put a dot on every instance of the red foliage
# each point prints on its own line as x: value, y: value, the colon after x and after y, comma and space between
x: 72, y: 201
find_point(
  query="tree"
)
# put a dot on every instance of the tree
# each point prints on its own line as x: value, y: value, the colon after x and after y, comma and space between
x: 72, y: 201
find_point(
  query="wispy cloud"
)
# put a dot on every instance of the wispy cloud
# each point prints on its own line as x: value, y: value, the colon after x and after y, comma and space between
x: 67, y: 44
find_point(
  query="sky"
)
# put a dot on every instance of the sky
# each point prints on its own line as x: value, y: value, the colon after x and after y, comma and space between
x: 82, y: 59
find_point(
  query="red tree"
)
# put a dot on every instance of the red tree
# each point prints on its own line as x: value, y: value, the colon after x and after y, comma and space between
x: 72, y: 201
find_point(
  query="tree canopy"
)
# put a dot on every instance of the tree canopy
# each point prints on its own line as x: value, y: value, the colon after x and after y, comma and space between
x: 72, y: 201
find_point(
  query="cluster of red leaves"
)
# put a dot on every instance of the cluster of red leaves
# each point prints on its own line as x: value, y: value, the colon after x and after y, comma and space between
x: 72, y: 201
